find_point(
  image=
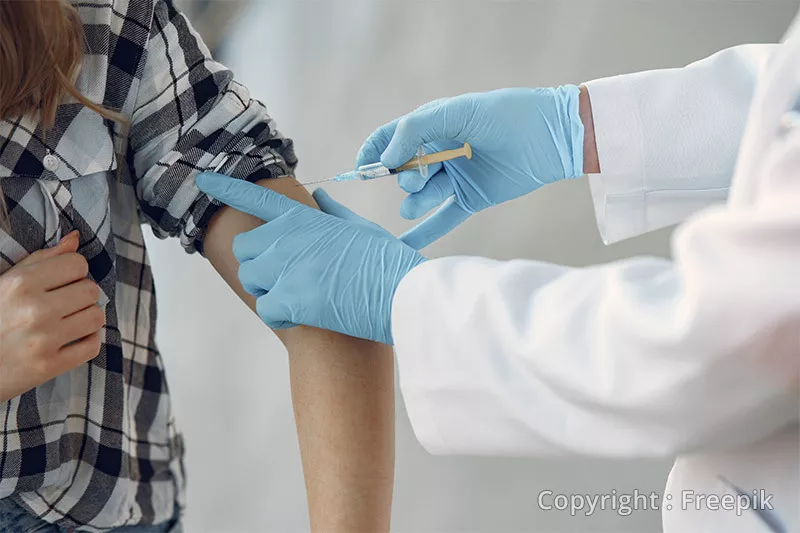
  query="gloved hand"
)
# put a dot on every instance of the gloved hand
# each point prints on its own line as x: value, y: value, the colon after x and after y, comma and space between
x: 332, y: 270
x: 521, y: 139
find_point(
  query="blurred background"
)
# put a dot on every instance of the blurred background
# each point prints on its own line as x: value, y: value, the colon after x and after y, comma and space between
x: 330, y: 72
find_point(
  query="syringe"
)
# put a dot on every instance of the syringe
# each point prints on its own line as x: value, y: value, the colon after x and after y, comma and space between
x: 420, y: 162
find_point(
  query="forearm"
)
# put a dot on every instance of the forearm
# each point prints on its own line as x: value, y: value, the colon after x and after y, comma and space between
x: 591, y: 163
x: 342, y: 390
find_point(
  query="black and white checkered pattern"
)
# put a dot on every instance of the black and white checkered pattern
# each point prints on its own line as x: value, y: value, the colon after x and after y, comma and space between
x: 96, y: 448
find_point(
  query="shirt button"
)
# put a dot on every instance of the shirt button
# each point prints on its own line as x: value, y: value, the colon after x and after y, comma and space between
x: 50, y: 162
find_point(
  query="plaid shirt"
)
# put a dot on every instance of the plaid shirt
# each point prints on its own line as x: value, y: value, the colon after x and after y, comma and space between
x: 96, y: 448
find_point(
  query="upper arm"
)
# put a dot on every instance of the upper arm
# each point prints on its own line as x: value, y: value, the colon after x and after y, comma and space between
x: 191, y: 115
x: 228, y: 222
x: 343, y: 396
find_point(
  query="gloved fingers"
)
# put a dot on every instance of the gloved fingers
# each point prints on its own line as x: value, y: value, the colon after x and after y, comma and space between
x: 244, y: 196
x: 261, y: 274
x: 438, y: 189
x: 412, y: 181
x: 438, y: 122
x: 439, y: 224
x: 251, y: 244
x: 378, y: 140
x: 375, y: 144
x: 332, y: 207
x: 274, y: 311
x: 433, y: 103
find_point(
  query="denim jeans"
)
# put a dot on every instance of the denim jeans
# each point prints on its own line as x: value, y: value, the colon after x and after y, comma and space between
x: 15, y: 519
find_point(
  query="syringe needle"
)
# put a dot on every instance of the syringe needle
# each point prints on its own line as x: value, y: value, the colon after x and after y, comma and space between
x: 347, y: 176
x: 314, y: 182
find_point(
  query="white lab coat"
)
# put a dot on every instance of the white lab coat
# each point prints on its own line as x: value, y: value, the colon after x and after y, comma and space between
x: 697, y: 357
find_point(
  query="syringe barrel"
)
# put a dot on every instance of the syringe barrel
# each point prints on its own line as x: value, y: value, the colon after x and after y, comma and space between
x: 415, y: 163
x: 377, y: 170
x: 370, y: 172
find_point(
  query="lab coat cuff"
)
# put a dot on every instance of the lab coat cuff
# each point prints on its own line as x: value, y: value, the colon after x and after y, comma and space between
x: 617, y: 126
x: 413, y: 373
x: 620, y: 206
x: 618, y: 192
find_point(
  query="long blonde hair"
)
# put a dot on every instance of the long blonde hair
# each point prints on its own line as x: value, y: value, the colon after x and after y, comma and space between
x: 41, y: 47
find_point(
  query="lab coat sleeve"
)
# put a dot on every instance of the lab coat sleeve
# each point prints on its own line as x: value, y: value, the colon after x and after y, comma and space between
x: 667, y: 139
x: 643, y: 357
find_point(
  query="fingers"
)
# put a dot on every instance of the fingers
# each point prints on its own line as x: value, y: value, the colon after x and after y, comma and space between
x: 439, y: 224
x: 55, y: 272
x: 260, y: 274
x: 249, y: 245
x: 413, y: 181
x: 437, y: 190
x: 274, y: 310
x: 72, y: 298
x: 79, y: 352
x: 68, y: 244
x: 375, y: 144
x: 244, y: 196
x: 332, y: 207
x: 444, y: 121
x: 81, y: 324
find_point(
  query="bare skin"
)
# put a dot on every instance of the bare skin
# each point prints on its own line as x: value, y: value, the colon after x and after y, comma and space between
x: 343, y: 396
x: 49, y: 318
x: 342, y: 388
x: 591, y: 161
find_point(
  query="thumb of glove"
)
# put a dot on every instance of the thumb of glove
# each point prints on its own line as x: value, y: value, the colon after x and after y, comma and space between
x: 425, y: 125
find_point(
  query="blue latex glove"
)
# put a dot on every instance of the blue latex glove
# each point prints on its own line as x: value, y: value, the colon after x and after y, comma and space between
x: 521, y: 139
x: 332, y: 270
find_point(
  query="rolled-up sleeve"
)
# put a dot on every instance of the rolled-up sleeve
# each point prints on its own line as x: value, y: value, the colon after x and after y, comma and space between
x: 192, y: 116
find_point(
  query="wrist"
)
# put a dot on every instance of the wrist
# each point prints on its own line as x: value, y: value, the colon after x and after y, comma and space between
x: 591, y: 161
x: 412, y: 264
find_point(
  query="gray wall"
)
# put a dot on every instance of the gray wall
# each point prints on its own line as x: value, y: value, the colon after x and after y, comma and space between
x: 330, y: 71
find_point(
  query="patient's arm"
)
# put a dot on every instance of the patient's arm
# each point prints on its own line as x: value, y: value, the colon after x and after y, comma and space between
x: 342, y: 391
